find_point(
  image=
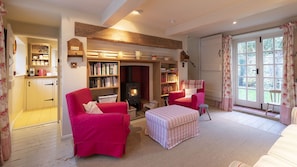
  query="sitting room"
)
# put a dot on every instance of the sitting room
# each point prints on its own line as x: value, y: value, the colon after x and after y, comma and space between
x: 151, y: 83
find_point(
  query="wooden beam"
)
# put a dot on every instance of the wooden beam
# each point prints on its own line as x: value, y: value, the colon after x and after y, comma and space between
x: 114, y: 35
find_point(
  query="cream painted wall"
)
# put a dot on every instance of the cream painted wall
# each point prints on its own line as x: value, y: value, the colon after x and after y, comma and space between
x: 16, y: 98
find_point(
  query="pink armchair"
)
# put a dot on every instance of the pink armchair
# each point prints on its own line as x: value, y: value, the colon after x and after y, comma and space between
x: 104, y: 133
x: 193, y: 101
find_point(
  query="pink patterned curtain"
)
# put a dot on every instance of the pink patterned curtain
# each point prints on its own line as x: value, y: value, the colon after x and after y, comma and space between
x: 5, y: 142
x: 288, y: 96
x: 227, y: 103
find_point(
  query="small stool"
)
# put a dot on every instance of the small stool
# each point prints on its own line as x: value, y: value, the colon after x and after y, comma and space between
x: 205, y: 107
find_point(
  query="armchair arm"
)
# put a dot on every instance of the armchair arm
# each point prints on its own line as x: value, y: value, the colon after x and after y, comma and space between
x: 85, y: 125
x: 117, y: 107
x: 197, y: 99
x: 175, y: 95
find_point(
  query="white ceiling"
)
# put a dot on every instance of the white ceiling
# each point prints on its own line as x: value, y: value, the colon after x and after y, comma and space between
x: 191, y: 17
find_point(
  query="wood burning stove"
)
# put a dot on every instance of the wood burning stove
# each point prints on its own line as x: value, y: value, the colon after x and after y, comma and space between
x: 131, y: 92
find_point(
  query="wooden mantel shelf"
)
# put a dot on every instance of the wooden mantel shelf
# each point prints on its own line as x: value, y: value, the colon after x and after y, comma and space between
x: 114, y: 35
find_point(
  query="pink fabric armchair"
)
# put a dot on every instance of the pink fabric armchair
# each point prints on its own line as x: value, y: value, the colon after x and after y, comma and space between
x: 193, y: 101
x: 104, y: 133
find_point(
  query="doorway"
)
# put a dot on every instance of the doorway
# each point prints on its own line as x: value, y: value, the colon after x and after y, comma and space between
x: 40, y: 90
x: 258, y: 64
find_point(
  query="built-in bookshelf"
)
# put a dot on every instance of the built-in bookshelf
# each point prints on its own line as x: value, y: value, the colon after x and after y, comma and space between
x: 169, y: 77
x: 39, y: 54
x: 103, y: 76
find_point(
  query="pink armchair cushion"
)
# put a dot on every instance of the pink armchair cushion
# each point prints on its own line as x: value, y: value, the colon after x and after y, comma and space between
x: 178, y: 97
x: 97, y: 133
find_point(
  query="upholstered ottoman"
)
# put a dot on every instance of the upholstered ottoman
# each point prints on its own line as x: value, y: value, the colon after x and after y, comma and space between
x: 171, y: 125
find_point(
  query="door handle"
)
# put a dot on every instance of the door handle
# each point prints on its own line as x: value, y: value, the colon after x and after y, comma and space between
x: 50, y: 84
x: 257, y: 71
x: 52, y: 99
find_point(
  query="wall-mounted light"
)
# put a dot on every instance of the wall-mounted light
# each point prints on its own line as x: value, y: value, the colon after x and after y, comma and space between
x: 184, y: 57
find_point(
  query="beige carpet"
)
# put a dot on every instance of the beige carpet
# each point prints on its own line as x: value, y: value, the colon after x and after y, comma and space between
x: 220, y: 141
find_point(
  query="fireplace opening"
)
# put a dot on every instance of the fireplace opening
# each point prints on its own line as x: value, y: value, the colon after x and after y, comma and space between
x: 135, y: 85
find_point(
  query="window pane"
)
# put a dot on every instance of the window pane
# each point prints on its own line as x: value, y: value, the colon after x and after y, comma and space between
x: 241, y: 47
x: 279, y: 71
x: 268, y: 71
x: 251, y: 71
x: 268, y: 44
x: 251, y: 59
x: 241, y: 82
x: 279, y: 57
x: 241, y: 59
x: 278, y: 84
x: 278, y: 43
x: 268, y: 84
x: 242, y: 94
x: 267, y: 57
x: 242, y: 71
x: 252, y: 95
x: 267, y: 97
x: 252, y: 82
x: 251, y: 46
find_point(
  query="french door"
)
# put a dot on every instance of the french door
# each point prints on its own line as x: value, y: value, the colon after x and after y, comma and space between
x: 258, y: 64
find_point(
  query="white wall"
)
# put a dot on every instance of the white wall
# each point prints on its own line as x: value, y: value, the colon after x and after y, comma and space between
x: 21, y: 55
x: 70, y: 78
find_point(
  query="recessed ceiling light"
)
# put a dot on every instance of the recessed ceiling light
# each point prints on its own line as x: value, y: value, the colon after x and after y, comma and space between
x: 136, y: 12
x: 234, y: 22
x: 172, y: 21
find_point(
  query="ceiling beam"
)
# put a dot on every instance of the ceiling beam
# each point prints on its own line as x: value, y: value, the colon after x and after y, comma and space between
x: 117, y: 10
x: 114, y: 35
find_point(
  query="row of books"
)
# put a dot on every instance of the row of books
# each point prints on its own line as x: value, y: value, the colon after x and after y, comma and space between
x: 100, y: 68
x: 167, y: 89
x: 103, y: 82
x: 168, y: 78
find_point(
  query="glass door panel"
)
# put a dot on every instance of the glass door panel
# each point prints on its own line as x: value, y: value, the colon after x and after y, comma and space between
x: 246, y: 86
x: 272, y: 65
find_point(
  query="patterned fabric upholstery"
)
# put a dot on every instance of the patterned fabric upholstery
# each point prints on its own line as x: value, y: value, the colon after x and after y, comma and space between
x: 171, y: 125
x: 180, y: 98
x: 188, y: 84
